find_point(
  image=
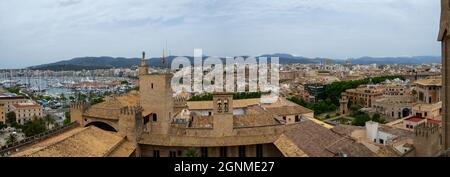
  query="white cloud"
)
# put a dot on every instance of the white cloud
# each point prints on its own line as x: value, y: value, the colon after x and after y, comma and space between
x: 47, y: 30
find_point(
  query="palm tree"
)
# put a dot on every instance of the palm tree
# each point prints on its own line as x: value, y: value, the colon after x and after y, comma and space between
x: 191, y: 152
x: 49, y: 120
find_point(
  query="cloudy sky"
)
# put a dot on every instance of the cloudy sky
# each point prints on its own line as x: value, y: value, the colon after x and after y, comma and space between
x: 37, y: 32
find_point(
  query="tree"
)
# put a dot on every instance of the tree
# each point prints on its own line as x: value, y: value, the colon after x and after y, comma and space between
x: 12, y: 139
x: 67, y: 120
x: 2, y: 125
x: 377, y: 118
x: 11, y: 118
x: 191, y: 152
x: 354, y: 109
x: 34, y: 127
x: 48, y: 120
x: 360, y: 119
x: 97, y: 100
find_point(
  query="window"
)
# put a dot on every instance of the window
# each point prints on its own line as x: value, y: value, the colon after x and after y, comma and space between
x: 155, y: 153
x: 219, y: 106
x: 241, y: 151
x: 155, y: 117
x: 297, y: 119
x: 284, y: 117
x: 146, y: 119
x: 259, y: 150
x: 151, y: 85
x: 209, y: 113
x: 204, y: 152
x: 381, y: 141
x: 225, y: 104
x: 179, y: 153
x: 172, y: 154
x: 223, y: 151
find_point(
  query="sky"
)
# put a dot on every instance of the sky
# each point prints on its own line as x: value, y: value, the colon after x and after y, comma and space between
x: 38, y: 32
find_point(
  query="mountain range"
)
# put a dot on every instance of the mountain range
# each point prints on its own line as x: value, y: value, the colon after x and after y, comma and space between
x: 106, y: 62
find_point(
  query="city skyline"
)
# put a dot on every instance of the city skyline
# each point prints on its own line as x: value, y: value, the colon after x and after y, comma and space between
x: 49, y: 31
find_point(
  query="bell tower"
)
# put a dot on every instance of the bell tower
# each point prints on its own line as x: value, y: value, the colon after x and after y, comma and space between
x: 223, y: 114
x: 143, y: 67
x: 444, y: 37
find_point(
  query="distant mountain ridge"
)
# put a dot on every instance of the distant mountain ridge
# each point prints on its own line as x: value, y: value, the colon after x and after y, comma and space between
x: 106, y: 62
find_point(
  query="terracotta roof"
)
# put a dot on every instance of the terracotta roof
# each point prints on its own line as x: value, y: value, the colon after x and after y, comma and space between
x: 110, y: 109
x: 89, y: 142
x: 434, y: 121
x: 255, y: 116
x: 125, y: 149
x: 289, y: 110
x: 415, y: 119
x: 26, y: 105
x: 288, y: 148
x: 317, y: 141
x: 429, y: 82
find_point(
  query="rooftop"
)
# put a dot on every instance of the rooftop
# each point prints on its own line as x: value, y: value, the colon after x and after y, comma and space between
x: 415, y: 119
x: 429, y: 82
x: 313, y: 140
x: 26, y: 105
x: 86, y: 142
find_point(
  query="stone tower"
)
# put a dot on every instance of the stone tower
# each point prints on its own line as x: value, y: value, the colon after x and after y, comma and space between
x: 76, y: 112
x: 222, y: 114
x: 343, y: 102
x: 444, y: 37
x: 131, y: 125
x: 143, y: 67
x: 156, y: 98
x: 427, y: 140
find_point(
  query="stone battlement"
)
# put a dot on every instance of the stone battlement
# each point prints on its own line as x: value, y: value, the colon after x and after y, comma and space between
x: 79, y: 105
x: 426, y: 130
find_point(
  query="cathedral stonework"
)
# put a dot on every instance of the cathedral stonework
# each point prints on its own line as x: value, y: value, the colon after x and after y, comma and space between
x: 445, y: 39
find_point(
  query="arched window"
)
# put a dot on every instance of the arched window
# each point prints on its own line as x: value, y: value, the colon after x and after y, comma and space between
x: 219, y: 105
x: 155, y: 117
x: 225, y: 104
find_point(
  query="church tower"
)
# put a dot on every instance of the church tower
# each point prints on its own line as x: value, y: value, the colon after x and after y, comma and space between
x: 223, y: 114
x: 143, y: 67
x: 156, y: 99
x: 444, y: 37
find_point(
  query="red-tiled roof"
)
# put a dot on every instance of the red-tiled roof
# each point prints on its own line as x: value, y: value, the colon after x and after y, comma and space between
x: 415, y: 119
x: 27, y: 105
x: 434, y: 121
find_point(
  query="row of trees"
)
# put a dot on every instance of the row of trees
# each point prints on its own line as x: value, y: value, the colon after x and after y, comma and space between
x: 30, y: 128
x: 319, y: 107
x: 334, y: 90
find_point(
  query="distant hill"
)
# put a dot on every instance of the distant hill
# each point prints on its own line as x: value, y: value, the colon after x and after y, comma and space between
x: 90, y: 63
x: 397, y: 60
